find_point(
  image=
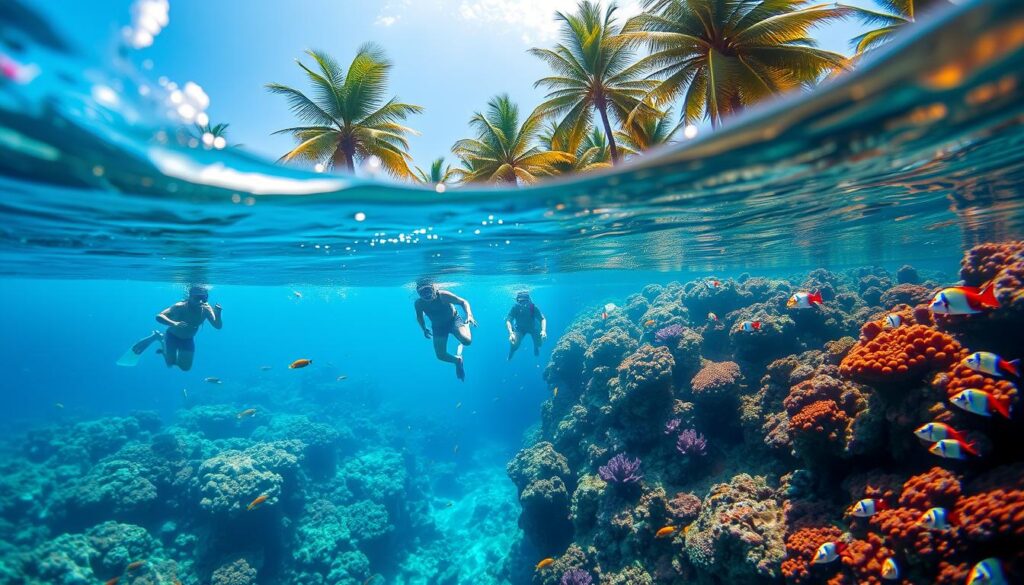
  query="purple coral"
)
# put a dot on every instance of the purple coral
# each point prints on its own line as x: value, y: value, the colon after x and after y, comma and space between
x: 576, y: 577
x: 621, y: 469
x: 690, y: 442
x: 669, y: 335
x: 672, y: 425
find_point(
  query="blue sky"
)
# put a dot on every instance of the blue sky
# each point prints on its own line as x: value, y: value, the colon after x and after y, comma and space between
x: 450, y: 56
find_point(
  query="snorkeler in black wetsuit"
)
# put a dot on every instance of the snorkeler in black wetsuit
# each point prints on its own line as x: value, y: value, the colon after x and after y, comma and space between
x: 445, y: 320
x: 524, y: 318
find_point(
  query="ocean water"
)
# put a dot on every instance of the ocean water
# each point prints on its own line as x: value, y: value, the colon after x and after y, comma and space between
x: 380, y: 466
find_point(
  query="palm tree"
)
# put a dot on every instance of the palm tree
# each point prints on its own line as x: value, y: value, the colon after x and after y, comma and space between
x: 590, y: 151
x: 722, y: 56
x: 899, y: 14
x: 503, y: 150
x: 438, y: 173
x: 593, y: 72
x: 646, y: 132
x: 348, y: 118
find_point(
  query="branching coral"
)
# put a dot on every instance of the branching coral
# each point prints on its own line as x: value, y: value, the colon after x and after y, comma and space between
x: 621, y: 470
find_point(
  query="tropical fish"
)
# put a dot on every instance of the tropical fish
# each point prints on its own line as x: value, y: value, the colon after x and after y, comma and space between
x: 714, y: 283
x: 455, y: 450
x: 458, y: 405
x: 259, y: 500
x: 184, y: 393
x: 342, y: 377
x: 987, y: 572
x: 299, y: 364
x: 828, y: 553
x: 113, y: 581
x: 59, y: 405
x: 297, y: 294
x: 868, y: 507
x: 544, y: 563
x: 265, y: 368
x: 246, y: 412
x: 554, y: 392
x: 935, y: 519
x: 665, y: 532
x: 608, y: 310
x: 963, y: 300
x: 893, y: 320
x: 212, y: 380
x: 990, y: 363
x: 750, y: 326
x: 937, y: 431
x: 953, y: 449
x: 890, y: 570
x: 712, y: 317
x: 135, y: 565
x: 804, y: 300
x: 649, y: 322
x: 981, y: 403
x: 449, y: 504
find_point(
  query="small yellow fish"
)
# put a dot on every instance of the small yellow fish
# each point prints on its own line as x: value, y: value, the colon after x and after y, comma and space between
x: 665, y: 532
x: 544, y: 563
x: 259, y: 500
x: 554, y: 393
x: 246, y: 412
x: 300, y: 364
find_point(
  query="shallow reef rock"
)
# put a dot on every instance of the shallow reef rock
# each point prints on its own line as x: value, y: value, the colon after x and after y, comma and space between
x: 711, y: 415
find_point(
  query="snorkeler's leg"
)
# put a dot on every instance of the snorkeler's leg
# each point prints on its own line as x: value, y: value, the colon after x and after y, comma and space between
x: 463, y: 334
x: 144, y: 343
x: 537, y: 341
x: 185, y: 358
x: 441, y: 349
x: 170, y: 356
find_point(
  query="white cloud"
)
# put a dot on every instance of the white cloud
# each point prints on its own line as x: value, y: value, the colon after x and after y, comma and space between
x: 386, y: 20
x: 534, y: 20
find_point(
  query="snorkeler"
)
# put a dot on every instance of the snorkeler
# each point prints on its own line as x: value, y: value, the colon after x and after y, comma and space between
x: 445, y: 320
x: 183, y: 320
x: 524, y: 318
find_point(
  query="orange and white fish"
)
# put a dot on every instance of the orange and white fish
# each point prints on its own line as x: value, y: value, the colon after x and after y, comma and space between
x: 665, y: 532
x: 113, y: 581
x: 714, y: 283
x: 893, y: 321
x: 608, y: 310
x: 649, y: 322
x: 246, y: 412
x: 828, y: 553
x: 981, y: 403
x: 953, y: 449
x: 937, y: 431
x: 963, y: 300
x: 890, y: 570
x: 935, y: 519
x: 135, y: 565
x: 804, y: 300
x: 987, y: 572
x: 868, y: 507
x: 259, y: 500
x: 750, y: 326
x: 544, y: 563
x: 299, y: 364
x: 990, y: 363
x: 212, y: 380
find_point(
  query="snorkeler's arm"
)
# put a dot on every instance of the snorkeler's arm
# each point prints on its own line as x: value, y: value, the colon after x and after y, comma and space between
x: 419, y: 319
x: 213, y: 315
x: 457, y: 300
x: 508, y: 320
x: 164, y: 317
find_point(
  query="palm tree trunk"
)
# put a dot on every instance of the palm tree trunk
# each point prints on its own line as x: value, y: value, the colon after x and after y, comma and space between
x: 343, y: 154
x: 601, y: 107
x: 510, y: 177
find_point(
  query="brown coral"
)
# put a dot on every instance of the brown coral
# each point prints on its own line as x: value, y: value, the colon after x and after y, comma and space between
x: 716, y: 379
x: 983, y: 263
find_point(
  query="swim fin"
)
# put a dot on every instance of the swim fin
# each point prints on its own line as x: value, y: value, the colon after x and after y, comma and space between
x: 130, y: 358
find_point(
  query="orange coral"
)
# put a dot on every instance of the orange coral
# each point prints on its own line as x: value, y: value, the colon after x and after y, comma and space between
x: 863, y: 561
x: 961, y: 377
x: 899, y: 355
x: 901, y: 526
x: 822, y: 418
x: 800, y: 548
x: 995, y: 507
x: 936, y: 487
